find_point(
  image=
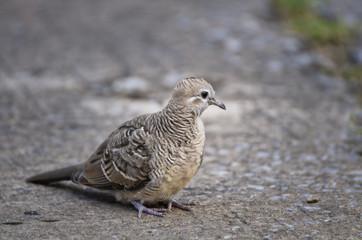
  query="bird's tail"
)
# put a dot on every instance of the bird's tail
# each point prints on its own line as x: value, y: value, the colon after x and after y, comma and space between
x: 54, y: 176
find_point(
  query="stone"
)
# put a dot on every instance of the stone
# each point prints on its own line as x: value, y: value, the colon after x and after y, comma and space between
x: 355, y: 55
x: 312, y: 199
x: 303, y: 60
x: 131, y: 86
x: 233, y: 45
x: 291, y: 45
x: 171, y: 78
x: 275, y: 66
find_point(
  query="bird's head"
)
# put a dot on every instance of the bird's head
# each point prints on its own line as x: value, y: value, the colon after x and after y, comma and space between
x: 194, y: 95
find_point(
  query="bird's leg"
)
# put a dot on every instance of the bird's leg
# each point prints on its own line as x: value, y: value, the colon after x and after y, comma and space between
x: 184, y: 205
x: 154, y: 211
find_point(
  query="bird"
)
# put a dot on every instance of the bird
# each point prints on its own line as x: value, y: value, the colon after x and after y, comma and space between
x: 150, y: 158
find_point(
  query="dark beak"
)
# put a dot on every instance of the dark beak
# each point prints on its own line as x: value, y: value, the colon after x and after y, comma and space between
x: 214, y: 101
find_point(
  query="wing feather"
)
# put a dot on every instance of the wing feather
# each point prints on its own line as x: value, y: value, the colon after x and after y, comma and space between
x: 120, y: 162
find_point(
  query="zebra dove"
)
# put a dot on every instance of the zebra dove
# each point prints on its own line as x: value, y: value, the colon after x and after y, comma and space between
x: 150, y: 158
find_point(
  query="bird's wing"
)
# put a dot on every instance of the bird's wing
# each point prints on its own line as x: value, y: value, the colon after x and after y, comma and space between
x: 120, y: 162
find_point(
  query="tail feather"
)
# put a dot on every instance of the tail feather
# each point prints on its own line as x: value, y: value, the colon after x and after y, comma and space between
x: 54, y: 176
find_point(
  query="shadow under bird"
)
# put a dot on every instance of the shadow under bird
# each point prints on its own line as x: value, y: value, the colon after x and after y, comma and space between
x: 150, y: 158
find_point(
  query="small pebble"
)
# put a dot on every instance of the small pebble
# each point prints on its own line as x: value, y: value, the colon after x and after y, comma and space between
x: 312, y: 199
x: 31, y: 213
x: 355, y: 55
x: 131, y: 85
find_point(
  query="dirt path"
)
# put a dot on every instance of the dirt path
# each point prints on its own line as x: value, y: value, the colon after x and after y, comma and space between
x: 67, y: 74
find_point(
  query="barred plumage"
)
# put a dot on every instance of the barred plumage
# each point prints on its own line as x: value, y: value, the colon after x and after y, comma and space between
x: 151, y: 157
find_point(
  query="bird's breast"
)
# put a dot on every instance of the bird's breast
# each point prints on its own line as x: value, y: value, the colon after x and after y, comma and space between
x: 187, y: 163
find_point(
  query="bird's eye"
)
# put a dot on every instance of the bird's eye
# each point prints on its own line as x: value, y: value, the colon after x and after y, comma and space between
x: 204, y: 94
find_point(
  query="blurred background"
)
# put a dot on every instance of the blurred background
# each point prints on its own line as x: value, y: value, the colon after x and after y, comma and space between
x: 104, y: 42
x: 284, y: 160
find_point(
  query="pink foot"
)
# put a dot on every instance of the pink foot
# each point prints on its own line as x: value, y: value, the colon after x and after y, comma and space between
x: 154, y: 211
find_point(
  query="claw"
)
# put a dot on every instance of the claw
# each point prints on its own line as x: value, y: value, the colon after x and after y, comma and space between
x: 159, y: 209
x: 153, y: 211
x: 184, y: 205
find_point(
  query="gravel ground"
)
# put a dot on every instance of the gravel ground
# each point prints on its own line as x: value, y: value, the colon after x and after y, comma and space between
x: 283, y: 162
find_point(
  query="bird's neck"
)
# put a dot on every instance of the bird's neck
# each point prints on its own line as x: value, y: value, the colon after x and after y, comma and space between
x: 179, y: 119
